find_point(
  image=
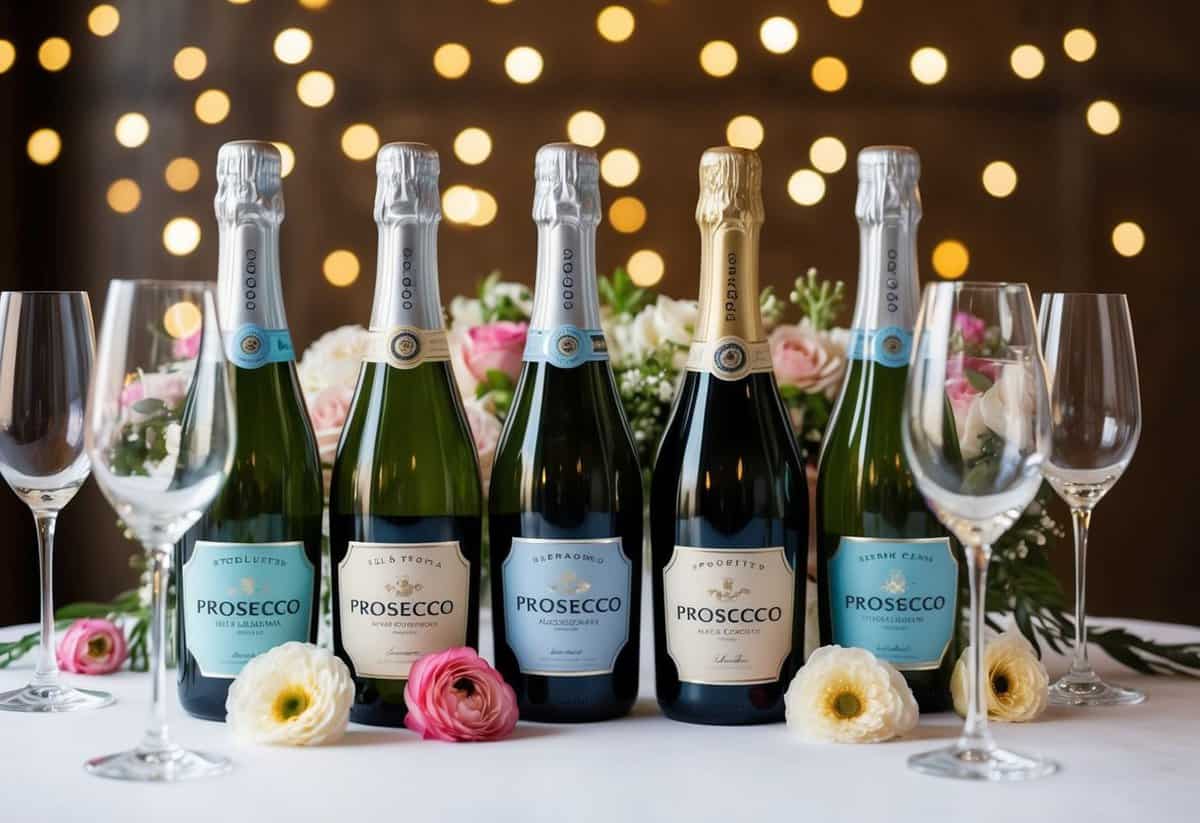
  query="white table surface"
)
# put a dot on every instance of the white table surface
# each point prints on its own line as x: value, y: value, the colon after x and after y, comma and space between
x: 1136, y: 763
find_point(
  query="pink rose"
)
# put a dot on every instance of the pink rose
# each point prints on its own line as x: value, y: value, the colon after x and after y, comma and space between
x: 186, y: 348
x: 456, y: 696
x: 973, y: 328
x: 169, y: 387
x: 328, y: 410
x: 92, y: 647
x: 495, y: 346
x: 806, y: 359
x: 485, y: 429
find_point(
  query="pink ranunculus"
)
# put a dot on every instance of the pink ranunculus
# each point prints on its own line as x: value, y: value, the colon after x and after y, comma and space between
x: 456, y: 696
x: 328, y: 410
x: 495, y: 346
x: 485, y: 429
x: 973, y: 328
x: 92, y: 646
x: 806, y: 359
x: 186, y: 348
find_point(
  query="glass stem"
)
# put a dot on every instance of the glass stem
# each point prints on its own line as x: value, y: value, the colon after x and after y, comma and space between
x: 975, y: 736
x: 46, y: 674
x: 155, y: 740
x: 1080, y: 667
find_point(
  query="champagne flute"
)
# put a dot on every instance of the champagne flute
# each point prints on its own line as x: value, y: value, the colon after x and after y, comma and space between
x: 160, y: 431
x: 46, y: 352
x: 1097, y: 418
x: 976, y: 430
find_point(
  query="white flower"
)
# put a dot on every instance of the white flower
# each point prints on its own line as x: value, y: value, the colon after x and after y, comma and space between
x: 171, y: 438
x: 849, y: 696
x: 466, y: 312
x: 1005, y: 409
x: 1017, y: 682
x: 297, y: 694
x: 333, y: 359
x: 631, y: 341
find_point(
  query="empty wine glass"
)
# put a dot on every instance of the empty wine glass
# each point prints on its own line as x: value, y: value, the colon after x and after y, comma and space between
x: 976, y: 430
x: 1096, y: 411
x: 160, y: 432
x: 46, y: 351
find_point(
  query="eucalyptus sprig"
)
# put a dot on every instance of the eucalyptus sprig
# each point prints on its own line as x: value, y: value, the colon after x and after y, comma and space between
x: 819, y: 300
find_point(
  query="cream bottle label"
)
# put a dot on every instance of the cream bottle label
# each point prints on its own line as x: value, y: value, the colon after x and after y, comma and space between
x: 406, y: 347
x: 400, y: 601
x: 729, y: 614
x: 729, y: 358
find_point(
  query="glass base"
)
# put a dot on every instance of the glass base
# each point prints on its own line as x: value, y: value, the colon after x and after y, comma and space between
x: 33, y: 698
x: 1077, y: 690
x: 981, y: 763
x: 169, y: 765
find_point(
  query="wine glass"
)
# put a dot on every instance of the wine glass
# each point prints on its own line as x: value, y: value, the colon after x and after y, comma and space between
x: 160, y: 431
x: 46, y: 351
x: 1097, y: 416
x: 976, y: 431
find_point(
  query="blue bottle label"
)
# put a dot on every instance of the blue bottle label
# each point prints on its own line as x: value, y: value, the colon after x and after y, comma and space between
x: 566, y: 604
x: 888, y: 346
x: 565, y: 346
x: 242, y: 599
x: 251, y: 346
x: 896, y: 598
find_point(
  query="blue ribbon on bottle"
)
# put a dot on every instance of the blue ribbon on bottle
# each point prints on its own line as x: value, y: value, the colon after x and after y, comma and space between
x: 565, y: 347
x: 251, y: 346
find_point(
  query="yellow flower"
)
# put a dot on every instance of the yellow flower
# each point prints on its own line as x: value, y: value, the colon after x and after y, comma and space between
x: 849, y: 696
x: 1017, y: 682
x: 297, y: 694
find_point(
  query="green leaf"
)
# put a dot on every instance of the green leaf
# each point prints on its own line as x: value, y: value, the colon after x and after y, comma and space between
x: 979, y: 381
x: 149, y: 406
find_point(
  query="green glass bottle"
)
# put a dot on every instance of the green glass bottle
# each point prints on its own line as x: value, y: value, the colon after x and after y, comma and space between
x: 248, y: 570
x: 405, y: 505
x: 887, y: 571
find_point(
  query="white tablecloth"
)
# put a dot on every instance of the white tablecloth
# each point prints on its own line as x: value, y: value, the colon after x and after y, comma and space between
x: 1136, y: 763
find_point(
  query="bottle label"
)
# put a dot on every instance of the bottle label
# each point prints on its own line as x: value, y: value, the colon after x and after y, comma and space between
x: 729, y: 614
x: 888, y: 346
x: 400, y: 601
x: 729, y: 358
x: 406, y: 347
x: 251, y: 346
x: 565, y: 347
x: 566, y: 604
x: 242, y: 599
x: 895, y: 598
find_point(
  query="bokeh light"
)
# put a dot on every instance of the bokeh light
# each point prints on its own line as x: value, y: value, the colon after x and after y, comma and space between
x: 182, y: 319
x: 928, y: 65
x: 718, y: 58
x: 744, y: 131
x: 1103, y: 117
x: 620, y: 167
x: 315, y: 88
x: 212, y: 106
x: 190, y: 62
x: 181, y: 236
x: 460, y: 204
x: 103, y: 20
x: 287, y: 158
x: 523, y: 64
x: 845, y: 8
x: 360, y: 141
x: 615, y: 24
x: 827, y: 154
x: 645, y: 267
x: 1128, y: 239
x: 829, y: 74
x: 8, y: 55
x: 341, y: 267
x: 485, y: 208
x: 132, y: 129
x: 999, y: 178
x: 314, y: 5
x: 293, y: 46
x: 778, y: 35
x: 473, y: 145
x: 627, y: 214
x: 451, y: 60
x: 1027, y: 61
x: 1080, y: 45
x: 54, y: 54
x: 182, y: 174
x: 44, y: 146
x: 585, y: 128
x: 123, y: 195
x: 951, y: 259
x: 806, y: 187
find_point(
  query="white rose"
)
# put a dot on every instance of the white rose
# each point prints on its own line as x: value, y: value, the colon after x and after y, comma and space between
x: 1018, y: 686
x: 465, y: 312
x: 849, y: 696
x: 666, y: 321
x: 517, y: 293
x: 297, y: 694
x: 333, y: 359
x: 1004, y: 409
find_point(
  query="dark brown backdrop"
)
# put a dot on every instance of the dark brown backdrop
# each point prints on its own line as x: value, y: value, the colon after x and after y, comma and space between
x: 57, y: 232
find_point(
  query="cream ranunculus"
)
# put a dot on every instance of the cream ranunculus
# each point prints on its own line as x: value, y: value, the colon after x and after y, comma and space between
x: 666, y: 321
x: 849, y: 696
x: 297, y: 694
x: 333, y: 359
x: 1017, y: 683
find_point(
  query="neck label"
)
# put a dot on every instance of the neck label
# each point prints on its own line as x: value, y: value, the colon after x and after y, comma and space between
x: 406, y: 347
x: 729, y: 358
x: 566, y: 347
x: 888, y: 346
x: 251, y: 346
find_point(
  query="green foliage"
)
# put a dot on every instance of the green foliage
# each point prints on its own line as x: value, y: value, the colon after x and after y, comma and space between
x: 820, y: 301
x: 621, y: 295
x: 496, y: 387
x: 497, y: 306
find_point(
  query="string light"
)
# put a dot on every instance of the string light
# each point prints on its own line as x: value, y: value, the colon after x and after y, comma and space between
x: 123, y: 195
x: 315, y: 88
x: 54, y: 54
x: 485, y: 208
x: 460, y: 204
x: 999, y: 178
x: 744, y: 131
x: 845, y: 8
x: 585, y: 128
x: 212, y: 106
x: 451, y: 60
x: 103, y: 20
x: 1027, y: 61
x: 132, y: 129
x: 523, y: 64
x: 829, y: 74
x: 182, y: 319
x: 1128, y: 239
x: 778, y: 35
x: 287, y: 158
x: 8, y: 55
x: 1080, y: 45
x: 615, y: 24
x: 182, y: 174
x: 293, y: 46
x: 620, y: 167
x: 645, y: 267
x: 473, y: 145
x: 181, y: 236
x: 44, y: 146
x: 190, y: 62
x: 341, y: 267
x: 1103, y: 117
x: 928, y: 65
x: 806, y: 187
x: 951, y: 259
x: 627, y: 214
x: 360, y: 141
x: 827, y: 154
x: 718, y: 58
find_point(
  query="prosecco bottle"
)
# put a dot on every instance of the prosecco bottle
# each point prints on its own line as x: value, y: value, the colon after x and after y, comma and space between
x: 565, y: 507
x: 887, y: 572
x: 249, y: 568
x: 729, y: 499
x: 405, y: 505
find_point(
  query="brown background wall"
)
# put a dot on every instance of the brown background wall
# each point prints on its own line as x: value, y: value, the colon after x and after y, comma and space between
x: 57, y: 232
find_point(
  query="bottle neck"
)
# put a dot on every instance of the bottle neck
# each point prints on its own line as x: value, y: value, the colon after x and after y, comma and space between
x: 565, y: 286
x: 887, y: 277
x: 406, y: 280
x: 248, y: 281
x: 728, y: 304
